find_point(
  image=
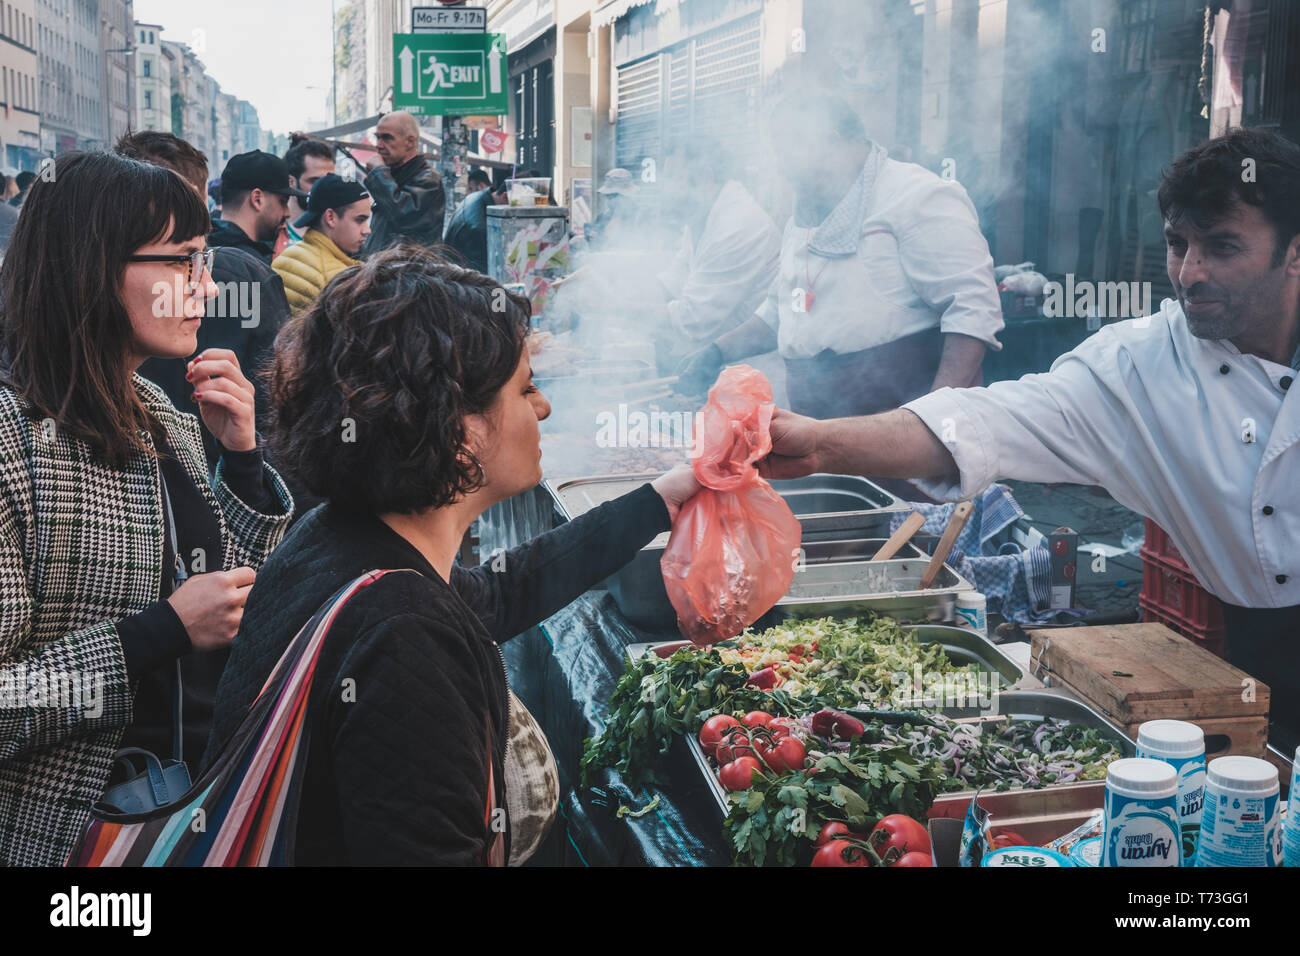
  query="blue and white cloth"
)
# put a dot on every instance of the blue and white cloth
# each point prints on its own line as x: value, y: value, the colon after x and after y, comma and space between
x: 1015, y: 585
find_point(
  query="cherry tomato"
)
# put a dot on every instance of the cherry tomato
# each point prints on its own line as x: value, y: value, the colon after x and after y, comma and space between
x: 781, y: 727
x: 785, y: 754
x: 901, y: 832
x: 833, y: 830
x: 733, y: 744
x: 833, y: 854
x: 739, y: 773
x: 914, y: 859
x: 713, y: 730
x: 756, y: 718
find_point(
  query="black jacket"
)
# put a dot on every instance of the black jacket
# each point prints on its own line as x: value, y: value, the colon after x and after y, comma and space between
x: 467, y: 231
x: 227, y: 234
x: 400, y: 756
x: 245, y: 317
x: 408, y: 205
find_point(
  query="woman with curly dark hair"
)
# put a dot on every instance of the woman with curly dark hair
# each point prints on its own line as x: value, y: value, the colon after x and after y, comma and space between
x: 404, y: 398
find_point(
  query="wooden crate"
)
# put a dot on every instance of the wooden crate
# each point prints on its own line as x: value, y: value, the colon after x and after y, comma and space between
x: 1139, y: 672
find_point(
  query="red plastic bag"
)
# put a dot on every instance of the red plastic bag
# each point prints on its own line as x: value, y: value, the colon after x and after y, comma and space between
x: 734, y: 545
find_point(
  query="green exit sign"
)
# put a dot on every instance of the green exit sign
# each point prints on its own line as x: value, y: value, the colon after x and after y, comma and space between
x: 450, y: 74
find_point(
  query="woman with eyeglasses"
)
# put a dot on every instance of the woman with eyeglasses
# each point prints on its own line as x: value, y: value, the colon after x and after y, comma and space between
x: 123, y: 566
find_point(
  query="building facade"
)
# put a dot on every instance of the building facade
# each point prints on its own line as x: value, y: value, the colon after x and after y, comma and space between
x: 59, y: 59
x: 530, y: 32
x: 248, y: 127
x: 350, y: 66
x: 383, y: 18
x: 20, y: 122
x: 153, y: 79
x: 116, y: 56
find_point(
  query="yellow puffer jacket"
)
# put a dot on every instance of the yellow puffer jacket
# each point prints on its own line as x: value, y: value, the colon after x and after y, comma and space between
x: 307, y: 266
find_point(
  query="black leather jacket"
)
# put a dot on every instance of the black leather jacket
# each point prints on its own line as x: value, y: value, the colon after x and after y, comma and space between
x: 408, y: 205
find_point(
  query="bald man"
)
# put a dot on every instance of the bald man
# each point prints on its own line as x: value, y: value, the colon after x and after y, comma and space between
x: 407, y: 191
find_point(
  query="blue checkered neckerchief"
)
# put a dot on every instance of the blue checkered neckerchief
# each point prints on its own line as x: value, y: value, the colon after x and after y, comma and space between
x: 838, y: 235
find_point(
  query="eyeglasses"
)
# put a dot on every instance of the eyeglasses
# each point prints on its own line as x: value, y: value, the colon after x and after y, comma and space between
x: 200, y: 262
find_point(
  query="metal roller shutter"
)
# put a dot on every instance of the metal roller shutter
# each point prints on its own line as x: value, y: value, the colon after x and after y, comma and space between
x: 708, y: 84
x: 726, y: 84
x: 639, y: 103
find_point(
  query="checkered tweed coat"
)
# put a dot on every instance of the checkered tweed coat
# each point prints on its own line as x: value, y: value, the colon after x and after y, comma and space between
x: 81, y: 546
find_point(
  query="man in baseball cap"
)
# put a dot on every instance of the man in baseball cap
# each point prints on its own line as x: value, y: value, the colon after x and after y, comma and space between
x: 255, y: 195
x: 616, y: 223
x: 336, y: 224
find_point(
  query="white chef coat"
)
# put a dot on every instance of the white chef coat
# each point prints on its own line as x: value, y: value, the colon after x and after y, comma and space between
x: 1158, y: 418
x: 717, y: 282
x: 922, y: 262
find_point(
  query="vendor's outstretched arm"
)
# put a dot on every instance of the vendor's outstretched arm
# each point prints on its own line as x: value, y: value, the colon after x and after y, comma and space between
x: 894, y: 444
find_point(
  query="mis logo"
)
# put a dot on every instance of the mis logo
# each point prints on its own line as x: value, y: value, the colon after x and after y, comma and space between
x: 452, y: 74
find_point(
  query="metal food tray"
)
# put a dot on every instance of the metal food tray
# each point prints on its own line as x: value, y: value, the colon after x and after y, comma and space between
x: 880, y: 587
x: 1038, y: 815
x: 963, y: 647
x: 826, y: 505
x: 1042, y: 815
x: 865, y: 510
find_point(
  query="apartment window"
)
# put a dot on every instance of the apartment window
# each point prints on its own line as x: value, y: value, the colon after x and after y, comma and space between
x: 150, y: 36
x: 148, y: 67
x: 148, y: 99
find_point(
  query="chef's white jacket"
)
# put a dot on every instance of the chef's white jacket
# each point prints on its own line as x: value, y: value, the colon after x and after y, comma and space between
x: 716, y: 282
x: 922, y: 262
x: 1189, y: 432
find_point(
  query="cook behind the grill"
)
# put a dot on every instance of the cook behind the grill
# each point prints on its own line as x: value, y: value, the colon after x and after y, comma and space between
x: 884, y: 289
x: 1186, y: 416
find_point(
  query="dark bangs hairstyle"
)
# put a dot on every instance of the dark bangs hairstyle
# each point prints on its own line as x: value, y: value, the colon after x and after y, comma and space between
x: 1206, y: 181
x: 66, y: 333
x: 371, y: 385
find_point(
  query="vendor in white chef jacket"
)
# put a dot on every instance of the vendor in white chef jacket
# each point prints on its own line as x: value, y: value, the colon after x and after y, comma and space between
x: 885, y: 286
x: 730, y: 247
x: 1188, y: 416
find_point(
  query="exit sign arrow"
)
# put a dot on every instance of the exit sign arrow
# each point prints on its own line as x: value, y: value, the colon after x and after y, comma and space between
x: 494, y: 68
x: 407, y: 58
